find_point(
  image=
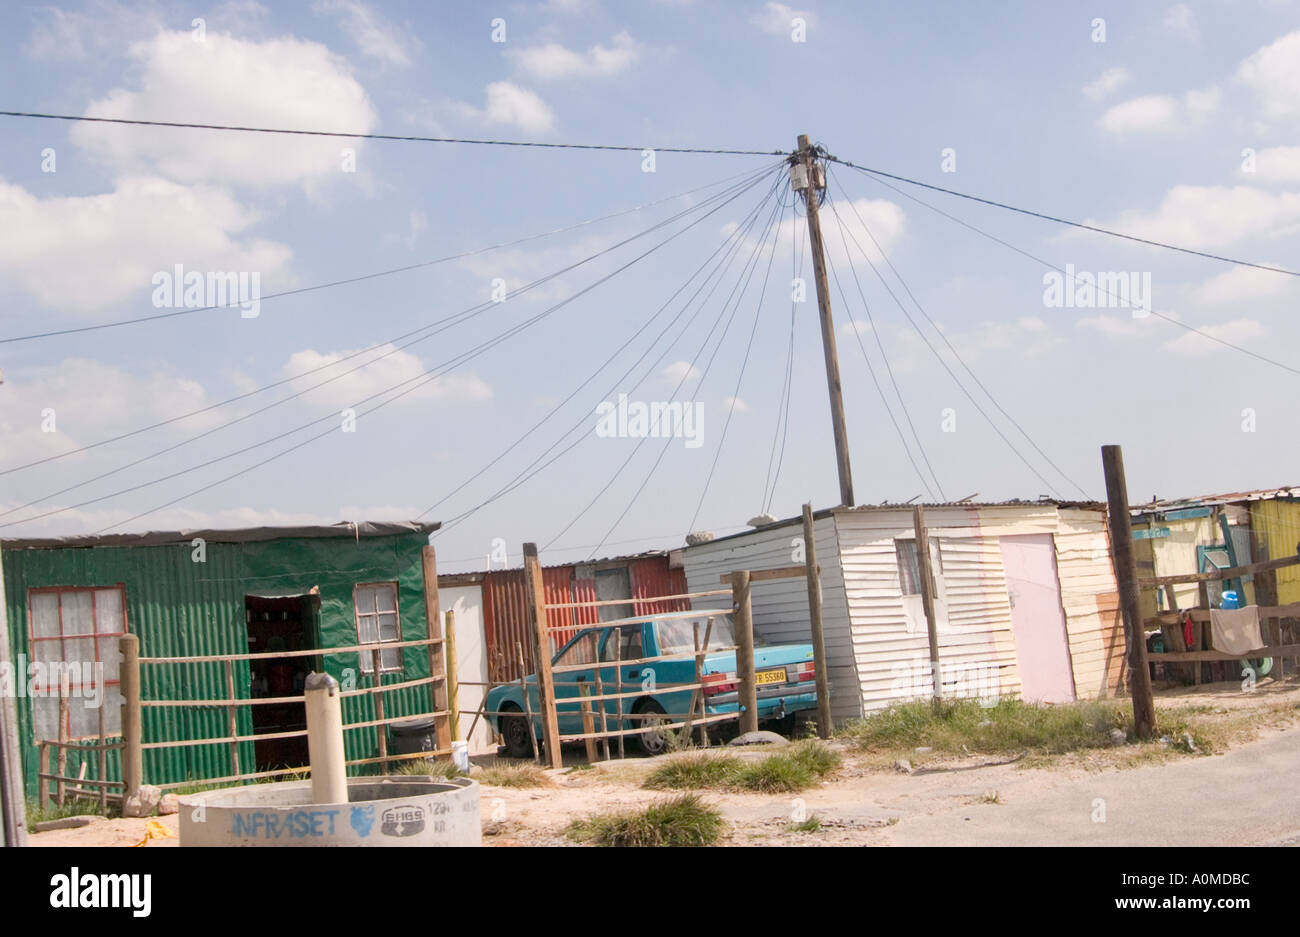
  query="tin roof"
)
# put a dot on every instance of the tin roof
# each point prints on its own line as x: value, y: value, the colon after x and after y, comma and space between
x: 1231, y: 497
x: 157, y: 538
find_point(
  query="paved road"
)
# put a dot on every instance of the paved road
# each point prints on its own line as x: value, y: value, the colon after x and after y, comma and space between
x: 1245, y: 797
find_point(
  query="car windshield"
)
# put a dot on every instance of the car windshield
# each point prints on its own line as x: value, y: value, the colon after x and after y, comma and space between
x: 677, y: 635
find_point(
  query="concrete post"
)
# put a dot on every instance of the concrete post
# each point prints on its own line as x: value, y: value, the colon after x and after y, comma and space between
x: 329, y: 773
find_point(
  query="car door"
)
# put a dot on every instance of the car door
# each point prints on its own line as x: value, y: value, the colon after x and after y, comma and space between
x: 573, y: 668
x: 620, y: 645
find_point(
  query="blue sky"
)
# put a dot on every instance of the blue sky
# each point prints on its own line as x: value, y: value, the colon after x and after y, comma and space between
x: 1183, y: 125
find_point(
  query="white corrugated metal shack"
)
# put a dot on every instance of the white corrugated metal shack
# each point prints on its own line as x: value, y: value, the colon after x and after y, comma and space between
x: 1026, y: 600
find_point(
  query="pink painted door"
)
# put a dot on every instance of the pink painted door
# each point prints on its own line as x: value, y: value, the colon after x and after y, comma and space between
x: 1037, y: 620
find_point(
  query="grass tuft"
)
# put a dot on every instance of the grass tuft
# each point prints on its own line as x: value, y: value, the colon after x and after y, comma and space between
x: 429, y: 767
x: 524, y: 775
x: 811, y: 825
x: 38, y: 813
x: 794, y: 769
x: 683, y: 820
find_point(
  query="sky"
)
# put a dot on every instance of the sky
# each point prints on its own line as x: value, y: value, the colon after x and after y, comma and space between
x: 540, y: 284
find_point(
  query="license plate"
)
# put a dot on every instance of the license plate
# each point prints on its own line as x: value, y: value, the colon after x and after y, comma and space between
x: 764, y: 677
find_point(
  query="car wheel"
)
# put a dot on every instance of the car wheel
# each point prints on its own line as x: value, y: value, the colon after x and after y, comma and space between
x: 515, y: 733
x: 654, y: 741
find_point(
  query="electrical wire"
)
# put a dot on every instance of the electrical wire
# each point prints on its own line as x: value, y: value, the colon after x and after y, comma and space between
x: 1063, y: 221
x: 533, y: 469
x: 458, y: 318
x: 401, y: 138
x: 365, y: 276
x: 1046, y: 263
x: 935, y: 351
x: 751, y: 265
x: 417, y: 381
x: 559, y: 406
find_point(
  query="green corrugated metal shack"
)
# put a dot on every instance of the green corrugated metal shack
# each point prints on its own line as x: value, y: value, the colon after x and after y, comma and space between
x: 204, y: 592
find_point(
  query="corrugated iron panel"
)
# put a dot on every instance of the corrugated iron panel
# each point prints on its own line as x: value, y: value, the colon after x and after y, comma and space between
x: 180, y: 608
x: 651, y: 577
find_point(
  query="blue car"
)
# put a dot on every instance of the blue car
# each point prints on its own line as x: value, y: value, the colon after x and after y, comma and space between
x: 784, y: 676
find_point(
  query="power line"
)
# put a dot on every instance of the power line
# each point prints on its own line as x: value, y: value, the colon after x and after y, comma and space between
x: 460, y: 317
x: 935, y: 351
x: 426, y: 377
x: 1046, y: 263
x: 783, y: 400
x: 752, y: 265
x: 740, y: 377
x: 533, y: 468
x: 880, y: 391
x: 559, y: 406
x: 401, y: 138
x: 367, y: 276
x: 1064, y: 221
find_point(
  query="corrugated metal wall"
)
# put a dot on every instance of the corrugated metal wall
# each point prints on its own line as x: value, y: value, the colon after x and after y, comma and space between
x: 780, y: 606
x: 179, y: 607
x: 505, y: 606
x: 1090, y: 598
x: 1277, y: 524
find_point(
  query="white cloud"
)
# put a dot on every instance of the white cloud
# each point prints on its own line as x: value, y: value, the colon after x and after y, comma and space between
x: 1242, y: 284
x: 1273, y: 73
x: 287, y: 82
x: 91, y: 400
x: 1115, y: 326
x: 776, y: 18
x: 860, y: 218
x: 374, y: 35
x: 679, y: 371
x: 1181, y: 21
x: 556, y: 61
x: 102, y: 28
x: 1108, y: 82
x: 1275, y: 164
x: 1211, y: 216
x: 508, y: 103
x: 1236, y: 331
x: 79, y: 254
x: 736, y: 404
x: 1161, y: 113
x: 397, y: 367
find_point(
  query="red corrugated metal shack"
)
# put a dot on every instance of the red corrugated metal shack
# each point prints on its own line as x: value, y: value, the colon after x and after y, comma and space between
x: 640, y: 579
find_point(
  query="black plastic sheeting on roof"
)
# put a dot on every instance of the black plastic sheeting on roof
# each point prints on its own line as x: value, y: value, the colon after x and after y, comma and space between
x: 159, y: 538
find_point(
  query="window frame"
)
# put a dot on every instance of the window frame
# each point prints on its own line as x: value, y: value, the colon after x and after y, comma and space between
x: 366, y: 661
x: 94, y: 635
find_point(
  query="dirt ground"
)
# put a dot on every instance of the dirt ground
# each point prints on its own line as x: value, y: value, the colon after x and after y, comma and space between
x: 870, y: 802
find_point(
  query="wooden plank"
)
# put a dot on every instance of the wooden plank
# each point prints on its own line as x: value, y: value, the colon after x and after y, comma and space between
x: 744, y: 628
x: 1288, y: 650
x: 132, y: 760
x: 812, y: 572
x: 453, y: 679
x: 927, y: 597
x: 437, y: 645
x: 1203, y: 614
x: 232, y: 718
x: 274, y: 655
x: 381, y: 728
x: 1121, y: 544
x: 542, y: 647
x: 1234, y: 572
x: 764, y: 575
x: 588, y: 724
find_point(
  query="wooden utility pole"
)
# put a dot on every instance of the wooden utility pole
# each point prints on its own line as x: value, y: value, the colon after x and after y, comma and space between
x: 437, y: 650
x: 1121, y: 546
x: 542, y: 647
x: 746, y: 691
x: 812, y: 172
x: 927, y: 596
x: 813, y: 575
x: 132, y: 754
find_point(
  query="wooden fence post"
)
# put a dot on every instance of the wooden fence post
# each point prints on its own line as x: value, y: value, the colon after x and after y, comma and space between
x: 542, y: 644
x: 1121, y: 543
x: 453, y: 684
x: 813, y: 576
x: 927, y: 597
x: 64, y: 706
x: 232, y: 717
x: 381, y: 730
x: 437, y: 651
x: 132, y: 753
x: 747, y: 692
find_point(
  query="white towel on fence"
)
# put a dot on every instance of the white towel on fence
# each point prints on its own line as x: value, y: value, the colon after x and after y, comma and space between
x: 1235, y: 630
